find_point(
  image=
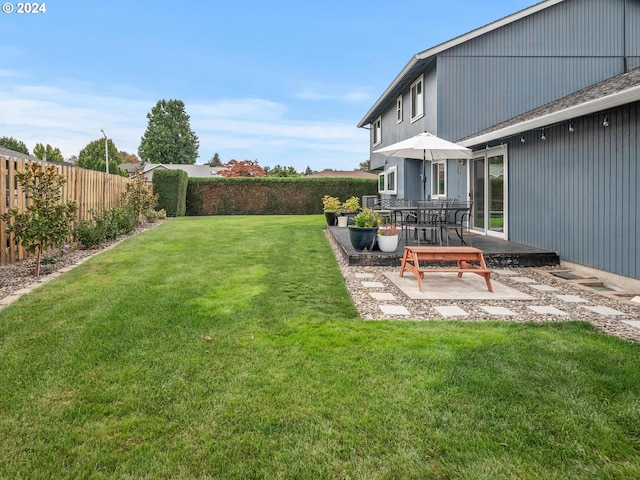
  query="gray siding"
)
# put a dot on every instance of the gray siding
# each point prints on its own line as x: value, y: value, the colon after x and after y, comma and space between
x: 577, y: 193
x: 533, y: 61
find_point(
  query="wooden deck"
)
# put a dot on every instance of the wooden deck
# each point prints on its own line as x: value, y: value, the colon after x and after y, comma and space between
x: 497, y: 253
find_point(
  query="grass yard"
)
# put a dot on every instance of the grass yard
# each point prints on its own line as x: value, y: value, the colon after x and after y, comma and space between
x: 228, y: 347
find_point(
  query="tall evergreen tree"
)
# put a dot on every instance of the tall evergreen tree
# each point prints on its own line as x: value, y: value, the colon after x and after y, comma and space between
x: 168, y: 138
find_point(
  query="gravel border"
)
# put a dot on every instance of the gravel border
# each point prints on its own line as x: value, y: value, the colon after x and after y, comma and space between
x: 369, y: 308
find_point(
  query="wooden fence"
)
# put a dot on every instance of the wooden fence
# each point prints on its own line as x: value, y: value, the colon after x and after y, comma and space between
x: 90, y: 190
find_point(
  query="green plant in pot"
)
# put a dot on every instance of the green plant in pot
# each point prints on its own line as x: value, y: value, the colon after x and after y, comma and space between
x: 350, y: 208
x: 331, y: 206
x: 363, y: 234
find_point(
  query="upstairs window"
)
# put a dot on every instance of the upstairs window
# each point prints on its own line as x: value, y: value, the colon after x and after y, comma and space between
x: 399, y: 109
x: 377, y: 131
x: 417, y: 99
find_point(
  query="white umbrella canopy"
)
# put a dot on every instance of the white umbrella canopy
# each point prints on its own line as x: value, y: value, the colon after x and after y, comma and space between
x: 425, y: 146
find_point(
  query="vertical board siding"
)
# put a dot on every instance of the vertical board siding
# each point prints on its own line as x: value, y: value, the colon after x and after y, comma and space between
x: 91, y: 190
x: 576, y: 193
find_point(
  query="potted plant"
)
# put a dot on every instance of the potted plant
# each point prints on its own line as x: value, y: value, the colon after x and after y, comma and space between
x: 388, y: 238
x: 363, y: 234
x: 350, y: 208
x: 331, y: 206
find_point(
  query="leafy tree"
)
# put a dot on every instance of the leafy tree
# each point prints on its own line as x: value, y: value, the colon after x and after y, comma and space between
x: 308, y: 171
x: 47, y: 153
x: 245, y: 168
x: 138, y: 198
x: 47, y: 221
x: 13, y: 144
x: 279, y: 171
x: 129, y: 157
x: 364, y: 166
x: 92, y: 157
x: 168, y: 138
x: 215, y: 161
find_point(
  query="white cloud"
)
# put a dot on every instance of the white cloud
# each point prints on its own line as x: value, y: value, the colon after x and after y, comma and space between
x: 253, y: 128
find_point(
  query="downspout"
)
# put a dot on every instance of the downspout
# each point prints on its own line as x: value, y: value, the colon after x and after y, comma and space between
x: 625, y: 60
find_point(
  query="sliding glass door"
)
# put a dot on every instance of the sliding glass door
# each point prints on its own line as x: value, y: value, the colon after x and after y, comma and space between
x: 488, y: 191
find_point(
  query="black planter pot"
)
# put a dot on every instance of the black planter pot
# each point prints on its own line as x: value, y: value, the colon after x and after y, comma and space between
x: 363, y: 238
x: 332, y: 218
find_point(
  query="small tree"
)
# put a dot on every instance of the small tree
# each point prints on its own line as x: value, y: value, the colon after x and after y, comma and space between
x: 47, y: 221
x: 137, y: 198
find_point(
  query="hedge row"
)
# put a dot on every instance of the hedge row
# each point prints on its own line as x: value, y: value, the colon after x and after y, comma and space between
x: 269, y: 195
x: 171, y: 187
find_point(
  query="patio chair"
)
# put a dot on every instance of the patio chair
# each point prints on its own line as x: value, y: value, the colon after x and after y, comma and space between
x: 427, y: 218
x: 457, y: 215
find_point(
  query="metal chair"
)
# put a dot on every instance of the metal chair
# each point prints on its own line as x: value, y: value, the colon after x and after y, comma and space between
x: 457, y: 215
x: 427, y: 218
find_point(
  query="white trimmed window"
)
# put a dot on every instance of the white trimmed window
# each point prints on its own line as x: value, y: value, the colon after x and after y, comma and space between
x: 417, y: 99
x: 388, y: 181
x: 438, y: 179
x: 377, y: 131
x: 399, y: 109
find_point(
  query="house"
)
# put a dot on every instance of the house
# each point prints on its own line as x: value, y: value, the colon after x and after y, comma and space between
x: 328, y: 173
x: 548, y: 100
x: 192, y: 170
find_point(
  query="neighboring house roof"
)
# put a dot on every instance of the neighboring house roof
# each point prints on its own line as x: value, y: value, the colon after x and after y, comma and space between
x: 5, y: 152
x: 192, y: 170
x: 611, y: 93
x: 130, y: 167
x: 418, y: 62
x: 342, y: 174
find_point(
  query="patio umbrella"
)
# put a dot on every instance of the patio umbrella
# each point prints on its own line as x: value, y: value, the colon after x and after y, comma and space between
x: 425, y: 146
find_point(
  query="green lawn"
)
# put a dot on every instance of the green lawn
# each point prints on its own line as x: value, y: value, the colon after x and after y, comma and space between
x: 228, y: 347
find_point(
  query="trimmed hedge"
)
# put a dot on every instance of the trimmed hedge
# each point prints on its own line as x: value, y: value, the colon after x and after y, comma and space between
x: 171, y: 187
x: 270, y: 195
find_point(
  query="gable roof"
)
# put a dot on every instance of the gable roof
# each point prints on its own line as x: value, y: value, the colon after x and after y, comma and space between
x: 611, y: 93
x: 419, y: 61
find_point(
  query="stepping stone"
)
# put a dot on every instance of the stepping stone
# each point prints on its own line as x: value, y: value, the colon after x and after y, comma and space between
x: 523, y: 280
x: 365, y: 275
x: 382, y: 296
x: 504, y: 272
x: 605, y: 311
x: 451, y: 311
x: 633, y: 323
x: 547, y: 310
x: 394, y: 310
x: 373, y: 284
x: 544, y: 288
x: 498, y: 310
x: 571, y: 299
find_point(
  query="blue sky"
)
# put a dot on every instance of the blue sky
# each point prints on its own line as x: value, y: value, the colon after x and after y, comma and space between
x: 281, y: 82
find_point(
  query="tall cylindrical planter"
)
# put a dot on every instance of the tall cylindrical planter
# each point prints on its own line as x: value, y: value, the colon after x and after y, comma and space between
x: 363, y: 238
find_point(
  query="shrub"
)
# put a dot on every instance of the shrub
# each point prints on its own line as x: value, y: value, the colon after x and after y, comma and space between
x: 89, y: 234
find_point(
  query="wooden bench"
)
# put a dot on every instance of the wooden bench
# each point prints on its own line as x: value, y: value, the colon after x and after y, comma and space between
x: 460, y: 255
